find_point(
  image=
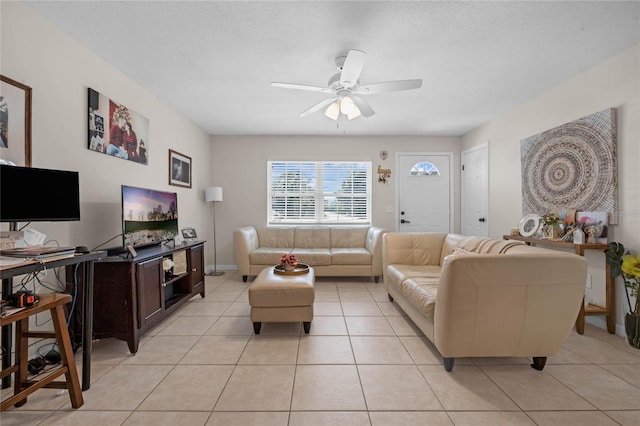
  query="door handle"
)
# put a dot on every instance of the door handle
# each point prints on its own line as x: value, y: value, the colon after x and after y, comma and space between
x: 481, y: 219
x: 404, y: 221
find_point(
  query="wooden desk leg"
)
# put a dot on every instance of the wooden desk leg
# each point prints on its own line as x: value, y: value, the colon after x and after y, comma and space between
x: 580, y: 320
x: 66, y: 355
x: 7, y: 333
x: 21, y: 357
x: 87, y: 324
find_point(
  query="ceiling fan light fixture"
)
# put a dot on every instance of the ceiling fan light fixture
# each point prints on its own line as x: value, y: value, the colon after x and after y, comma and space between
x: 347, y: 105
x: 344, y: 89
x: 354, y: 113
x: 333, y: 111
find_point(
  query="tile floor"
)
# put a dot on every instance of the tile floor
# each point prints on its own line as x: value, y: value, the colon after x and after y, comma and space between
x: 363, y: 363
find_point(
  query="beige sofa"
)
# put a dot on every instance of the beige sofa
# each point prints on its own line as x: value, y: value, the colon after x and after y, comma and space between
x: 475, y: 297
x: 335, y: 251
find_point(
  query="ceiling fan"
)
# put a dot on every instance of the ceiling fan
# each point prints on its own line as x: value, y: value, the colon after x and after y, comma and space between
x: 345, y: 89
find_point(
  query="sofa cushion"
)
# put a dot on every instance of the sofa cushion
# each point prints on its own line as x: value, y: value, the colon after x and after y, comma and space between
x: 348, y: 237
x: 312, y: 237
x: 421, y: 292
x: 350, y: 256
x: 413, y: 248
x: 313, y: 256
x: 486, y: 245
x: 462, y: 250
x: 398, y: 273
x: 267, y: 255
x: 273, y: 237
x: 450, y: 243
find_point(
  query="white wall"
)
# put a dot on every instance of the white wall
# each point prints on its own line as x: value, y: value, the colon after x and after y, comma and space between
x: 239, y: 166
x: 59, y: 70
x: 613, y: 83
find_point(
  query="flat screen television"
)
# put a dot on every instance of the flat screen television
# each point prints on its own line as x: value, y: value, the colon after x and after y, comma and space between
x: 29, y: 194
x: 148, y: 216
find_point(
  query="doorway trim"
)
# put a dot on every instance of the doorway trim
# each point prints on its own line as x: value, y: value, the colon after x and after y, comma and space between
x: 452, y: 214
x: 463, y: 200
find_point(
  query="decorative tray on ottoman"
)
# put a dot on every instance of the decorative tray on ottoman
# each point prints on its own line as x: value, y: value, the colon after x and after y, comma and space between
x: 300, y: 269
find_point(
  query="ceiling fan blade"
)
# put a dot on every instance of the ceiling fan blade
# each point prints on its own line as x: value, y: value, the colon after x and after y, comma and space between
x: 389, y: 86
x: 352, y: 68
x: 317, y: 107
x: 302, y: 87
x: 364, y: 107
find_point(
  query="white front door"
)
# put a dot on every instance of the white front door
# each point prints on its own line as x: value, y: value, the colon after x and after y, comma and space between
x: 424, y: 193
x: 475, y: 191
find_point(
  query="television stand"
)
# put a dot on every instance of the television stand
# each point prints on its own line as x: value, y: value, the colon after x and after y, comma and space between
x: 134, y: 294
x: 114, y: 251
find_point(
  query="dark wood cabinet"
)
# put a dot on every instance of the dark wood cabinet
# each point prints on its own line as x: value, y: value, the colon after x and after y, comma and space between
x: 133, y: 294
x: 196, y: 266
x: 150, y: 295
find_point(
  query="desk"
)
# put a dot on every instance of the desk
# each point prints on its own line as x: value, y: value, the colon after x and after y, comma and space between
x: 609, y: 309
x: 87, y: 259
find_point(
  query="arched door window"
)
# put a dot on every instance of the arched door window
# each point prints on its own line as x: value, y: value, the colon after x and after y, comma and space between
x: 424, y: 169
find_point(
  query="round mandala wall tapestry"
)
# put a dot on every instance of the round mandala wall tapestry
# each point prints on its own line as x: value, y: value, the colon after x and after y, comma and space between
x: 572, y: 166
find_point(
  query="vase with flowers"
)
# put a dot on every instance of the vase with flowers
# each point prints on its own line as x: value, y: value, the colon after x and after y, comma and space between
x: 289, y: 261
x: 622, y: 263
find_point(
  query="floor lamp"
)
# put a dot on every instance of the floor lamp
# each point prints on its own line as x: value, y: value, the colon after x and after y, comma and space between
x: 214, y: 195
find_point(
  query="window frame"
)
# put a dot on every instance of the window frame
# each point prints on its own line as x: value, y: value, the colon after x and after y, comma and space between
x: 321, y: 194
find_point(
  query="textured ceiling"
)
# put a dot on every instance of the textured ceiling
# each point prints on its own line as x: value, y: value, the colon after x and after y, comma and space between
x: 213, y: 61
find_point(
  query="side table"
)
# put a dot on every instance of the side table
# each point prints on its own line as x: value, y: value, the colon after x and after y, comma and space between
x: 23, y: 387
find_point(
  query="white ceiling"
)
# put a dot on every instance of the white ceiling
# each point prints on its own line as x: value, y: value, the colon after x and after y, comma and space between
x: 213, y: 61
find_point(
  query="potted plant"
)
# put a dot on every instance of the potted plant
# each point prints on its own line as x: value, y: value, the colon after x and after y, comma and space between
x: 628, y: 266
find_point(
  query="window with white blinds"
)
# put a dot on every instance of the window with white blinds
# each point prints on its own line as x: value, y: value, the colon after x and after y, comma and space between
x: 327, y: 192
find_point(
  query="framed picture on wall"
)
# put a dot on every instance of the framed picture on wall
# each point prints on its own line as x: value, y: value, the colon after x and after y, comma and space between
x: 15, y: 122
x: 117, y: 130
x: 179, y: 169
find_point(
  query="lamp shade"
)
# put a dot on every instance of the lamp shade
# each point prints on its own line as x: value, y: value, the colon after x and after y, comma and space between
x: 213, y: 194
x: 346, y: 105
x: 333, y: 111
x: 355, y: 112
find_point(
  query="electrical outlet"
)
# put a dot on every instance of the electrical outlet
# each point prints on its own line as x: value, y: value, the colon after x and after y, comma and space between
x: 588, y: 280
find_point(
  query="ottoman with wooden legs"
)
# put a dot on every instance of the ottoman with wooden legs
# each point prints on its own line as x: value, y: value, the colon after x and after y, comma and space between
x: 282, y: 298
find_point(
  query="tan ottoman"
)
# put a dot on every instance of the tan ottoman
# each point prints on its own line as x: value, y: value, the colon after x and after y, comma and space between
x: 282, y: 298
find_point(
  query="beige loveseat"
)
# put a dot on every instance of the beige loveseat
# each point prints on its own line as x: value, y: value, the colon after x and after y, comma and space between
x: 335, y: 251
x: 476, y: 297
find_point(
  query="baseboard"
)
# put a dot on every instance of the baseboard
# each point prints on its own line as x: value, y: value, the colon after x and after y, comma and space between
x: 221, y: 268
x: 600, y: 322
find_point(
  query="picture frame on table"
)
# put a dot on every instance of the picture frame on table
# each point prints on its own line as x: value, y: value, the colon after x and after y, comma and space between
x: 594, y: 224
x: 15, y: 122
x: 189, y: 234
x: 179, y: 169
x: 530, y: 225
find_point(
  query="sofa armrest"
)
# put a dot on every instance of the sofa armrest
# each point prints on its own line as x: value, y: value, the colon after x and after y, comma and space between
x: 245, y: 240
x: 516, y: 304
x: 373, y: 243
